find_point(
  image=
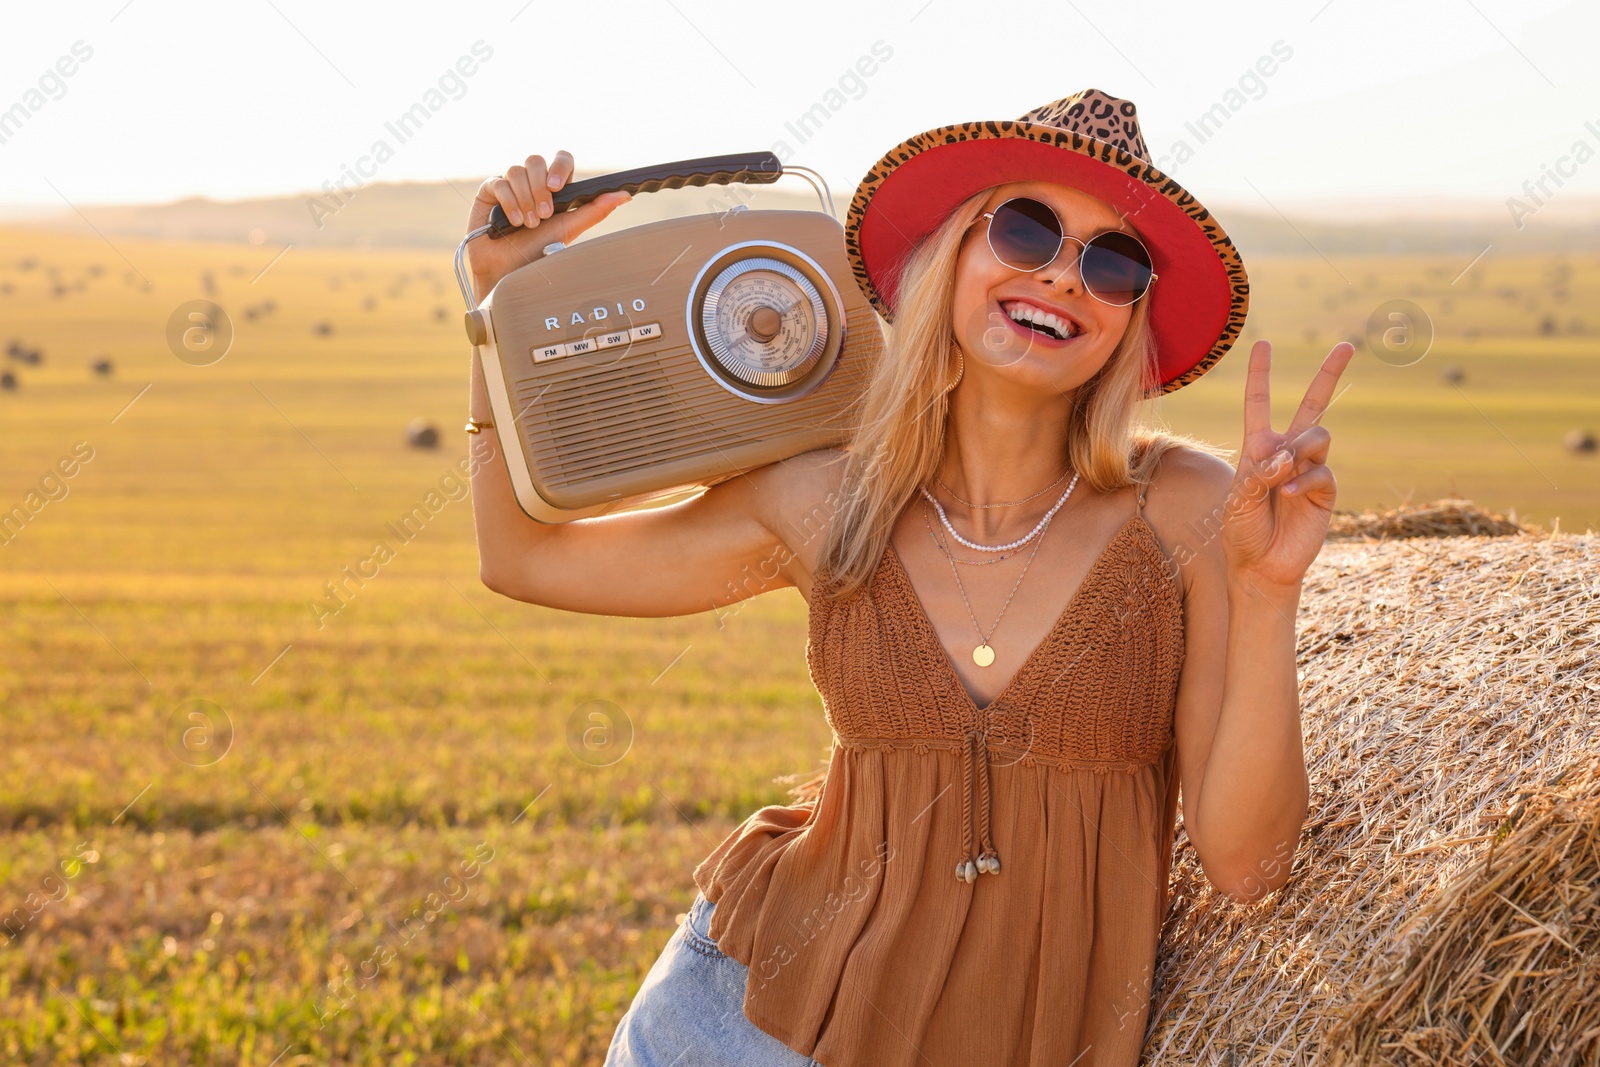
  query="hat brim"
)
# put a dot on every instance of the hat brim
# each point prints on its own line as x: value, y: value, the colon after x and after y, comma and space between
x: 1199, y: 303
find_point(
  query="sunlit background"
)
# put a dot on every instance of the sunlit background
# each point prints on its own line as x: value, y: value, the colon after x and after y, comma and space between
x: 230, y: 773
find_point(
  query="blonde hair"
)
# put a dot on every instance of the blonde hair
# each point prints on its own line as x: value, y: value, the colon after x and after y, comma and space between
x: 896, y: 437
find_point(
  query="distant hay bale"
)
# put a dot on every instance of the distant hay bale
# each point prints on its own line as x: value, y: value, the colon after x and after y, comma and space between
x: 1579, y: 440
x: 1446, y: 683
x: 1452, y: 517
x: 23, y: 354
x: 422, y: 434
x: 101, y: 366
x: 7, y: 380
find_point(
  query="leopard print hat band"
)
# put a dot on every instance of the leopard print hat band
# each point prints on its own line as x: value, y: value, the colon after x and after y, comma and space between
x: 1089, y: 140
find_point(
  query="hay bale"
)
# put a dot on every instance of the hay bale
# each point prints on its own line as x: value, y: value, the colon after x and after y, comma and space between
x: 1507, y: 957
x: 1445, y: 683
x: 1579, y: 440
x: 1452, y: 517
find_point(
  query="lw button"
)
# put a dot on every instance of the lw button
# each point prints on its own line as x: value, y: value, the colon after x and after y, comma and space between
x: 646, y: 333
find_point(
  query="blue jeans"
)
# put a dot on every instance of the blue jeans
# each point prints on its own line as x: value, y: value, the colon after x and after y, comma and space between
x: 690, y: 1010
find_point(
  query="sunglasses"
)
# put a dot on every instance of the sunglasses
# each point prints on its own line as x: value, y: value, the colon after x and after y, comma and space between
x: 1026, y: 234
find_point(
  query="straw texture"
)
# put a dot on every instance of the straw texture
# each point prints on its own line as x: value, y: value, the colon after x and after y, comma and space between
x: 1451, y: 517
x: 1445, y: 684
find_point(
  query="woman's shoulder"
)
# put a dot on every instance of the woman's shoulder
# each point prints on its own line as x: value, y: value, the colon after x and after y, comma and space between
x: 1191, y: 469
x: 798, y: 498
x: 1186, y: 497
x: 801, y: 484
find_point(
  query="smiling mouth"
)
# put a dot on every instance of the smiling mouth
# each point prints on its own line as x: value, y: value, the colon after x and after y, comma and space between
x: 1045, y: 328
x: 1037, y: 322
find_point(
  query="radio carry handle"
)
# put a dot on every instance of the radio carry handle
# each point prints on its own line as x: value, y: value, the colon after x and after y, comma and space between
x: 757, y: 168
x: 754, y: 168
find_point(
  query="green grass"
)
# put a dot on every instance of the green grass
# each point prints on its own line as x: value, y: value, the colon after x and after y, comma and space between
x: 373, y: 752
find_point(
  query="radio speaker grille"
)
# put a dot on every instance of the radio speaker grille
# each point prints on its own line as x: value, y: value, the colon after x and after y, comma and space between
x: 642, y: 414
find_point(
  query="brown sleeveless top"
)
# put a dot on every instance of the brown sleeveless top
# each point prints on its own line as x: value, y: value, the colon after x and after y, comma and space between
x: 864, y: 945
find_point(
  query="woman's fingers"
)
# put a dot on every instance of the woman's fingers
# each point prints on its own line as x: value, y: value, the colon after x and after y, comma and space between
x: 1316, y: 483
x: 1319, y: 394
x: 1311, y: 444
x: 1257, y: 391
x: 505, y: 195
x: 1270, y: 470
x: 525, y: 204
x: 483, y: 203
x: 560, y: 170
x: 539, y: 181
x: 525, y: 194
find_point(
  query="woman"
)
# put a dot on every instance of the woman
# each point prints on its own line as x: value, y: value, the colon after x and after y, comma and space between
x: 1005, y: 702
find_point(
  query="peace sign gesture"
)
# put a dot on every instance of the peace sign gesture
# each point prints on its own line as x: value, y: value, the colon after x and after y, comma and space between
x: 1282, y: 493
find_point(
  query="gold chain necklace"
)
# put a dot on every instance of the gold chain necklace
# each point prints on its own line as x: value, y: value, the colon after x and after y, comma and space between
x: 1008, y: 504
x: 983, y: 655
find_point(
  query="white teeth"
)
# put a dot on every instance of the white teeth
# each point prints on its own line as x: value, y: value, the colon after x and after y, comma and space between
x: 1028, y: 313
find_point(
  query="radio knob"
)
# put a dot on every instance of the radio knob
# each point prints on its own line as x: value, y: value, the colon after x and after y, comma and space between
x: 477, y: 328
x: 764, y: 323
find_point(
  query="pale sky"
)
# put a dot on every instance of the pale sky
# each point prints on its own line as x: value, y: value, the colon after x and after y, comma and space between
x: 1415, y: 99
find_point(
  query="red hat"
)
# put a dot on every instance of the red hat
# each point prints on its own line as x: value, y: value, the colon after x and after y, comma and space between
x: 1091, y: 141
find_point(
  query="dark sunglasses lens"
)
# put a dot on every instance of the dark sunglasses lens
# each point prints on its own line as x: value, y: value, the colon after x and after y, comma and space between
x: 1116, y: 268
x: 1024, y: 233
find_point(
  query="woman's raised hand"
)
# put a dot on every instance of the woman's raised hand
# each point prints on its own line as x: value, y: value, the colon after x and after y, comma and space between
x: 524, y: 194
x: 1282, y: 494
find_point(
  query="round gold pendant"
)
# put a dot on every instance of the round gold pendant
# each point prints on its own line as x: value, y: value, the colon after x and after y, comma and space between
x: 983, y: 655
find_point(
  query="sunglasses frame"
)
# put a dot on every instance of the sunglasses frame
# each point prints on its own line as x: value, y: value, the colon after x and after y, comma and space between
x: 1063, y: 239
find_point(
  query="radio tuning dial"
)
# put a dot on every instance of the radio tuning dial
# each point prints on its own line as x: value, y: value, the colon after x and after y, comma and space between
x: 764, y: 321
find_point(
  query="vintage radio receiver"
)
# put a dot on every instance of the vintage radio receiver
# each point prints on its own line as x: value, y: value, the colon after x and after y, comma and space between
x: 634, y: 365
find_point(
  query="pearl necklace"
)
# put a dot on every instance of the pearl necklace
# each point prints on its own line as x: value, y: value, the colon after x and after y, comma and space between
x: 1014, y: 544
x: 946, y: 548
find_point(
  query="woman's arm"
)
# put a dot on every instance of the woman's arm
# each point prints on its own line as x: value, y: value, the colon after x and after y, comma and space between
x: 696, y: 555
x: 1248, y: 536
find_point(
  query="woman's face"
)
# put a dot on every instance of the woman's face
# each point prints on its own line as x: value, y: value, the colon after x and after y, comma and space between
x: 992, y: 342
